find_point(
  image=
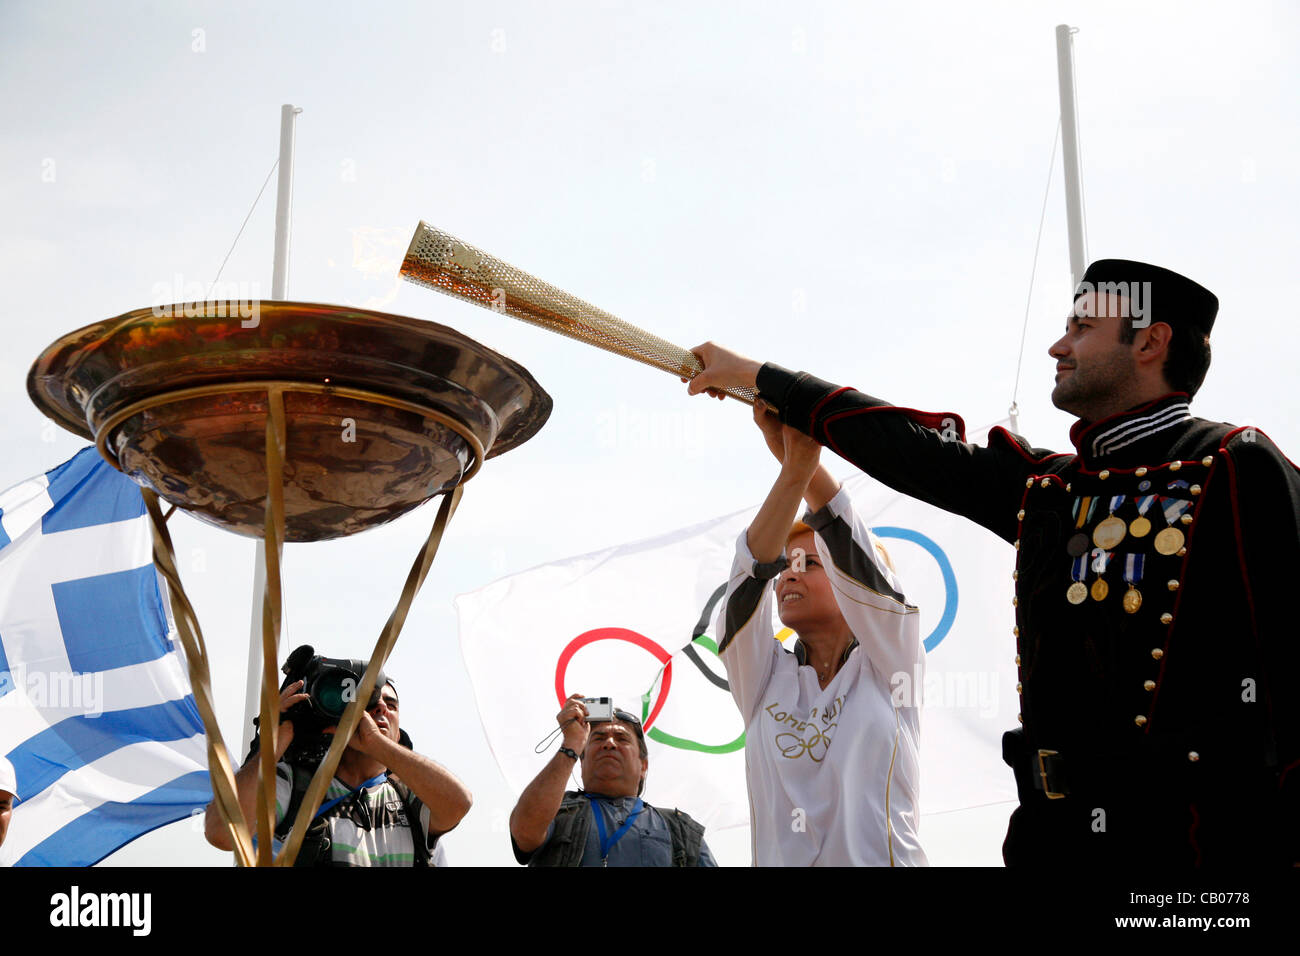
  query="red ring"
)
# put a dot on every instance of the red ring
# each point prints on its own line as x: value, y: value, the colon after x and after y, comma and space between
x: 615, y: 634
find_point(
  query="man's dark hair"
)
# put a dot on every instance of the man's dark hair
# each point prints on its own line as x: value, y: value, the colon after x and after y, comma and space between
x: 1188, y: 359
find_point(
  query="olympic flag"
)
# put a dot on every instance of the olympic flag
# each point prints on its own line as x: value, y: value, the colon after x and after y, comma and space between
x: 636, y: 622
x: 96, y: 713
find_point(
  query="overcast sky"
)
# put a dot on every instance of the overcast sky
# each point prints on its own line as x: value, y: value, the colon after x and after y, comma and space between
x: 852, y: 189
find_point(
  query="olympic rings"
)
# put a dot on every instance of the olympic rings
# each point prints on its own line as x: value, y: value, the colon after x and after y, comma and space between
x: 650, y: 714
x: 949, y: 580
x: 615, y: 634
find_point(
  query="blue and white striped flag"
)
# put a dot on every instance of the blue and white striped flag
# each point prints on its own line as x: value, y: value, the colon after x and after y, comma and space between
x: 96, y: 712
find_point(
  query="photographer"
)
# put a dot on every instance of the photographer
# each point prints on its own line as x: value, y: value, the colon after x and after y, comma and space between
x: 606, y: 824
x: 386, y: 806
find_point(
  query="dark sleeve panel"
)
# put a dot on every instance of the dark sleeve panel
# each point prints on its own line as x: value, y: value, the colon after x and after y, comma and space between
x: 740, y: 608
x: 848, y: 555
x: 922, y: 454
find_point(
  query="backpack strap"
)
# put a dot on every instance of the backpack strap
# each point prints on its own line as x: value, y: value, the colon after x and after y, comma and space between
x: 419, y: 836
x: 315, y: 843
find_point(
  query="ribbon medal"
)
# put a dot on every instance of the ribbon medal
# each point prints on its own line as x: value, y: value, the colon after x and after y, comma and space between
x: 1112, y: 530
x: 1078, y: 591
x: 1078, y: 543
x: 1141, y: 525
x: 1132, y: 575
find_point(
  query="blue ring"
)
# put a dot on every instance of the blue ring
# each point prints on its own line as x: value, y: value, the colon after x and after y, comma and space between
x: 949, y: 580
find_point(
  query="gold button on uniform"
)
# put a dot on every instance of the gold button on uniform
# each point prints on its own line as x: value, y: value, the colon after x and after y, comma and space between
x: 1193, y: 756
x: 1140, y: 720
x: 1068, y: 486
x: 1017, y: 660
x: 1140, y: 472
x: 1020, y: 717
x: 1195, y: 489
x: 1104, y: 474
x: 1149, y: 685
x: 1020, y: 515
x: 1166, y: 618
x: 1016, y: 630
x: 1186, y: 519
x: 1173, y: 585
x: 1175, y: 465
x: 1045, y: 483
x: 1029, y: 482
x: 1157, y: 653
x: 1019, y: 688
x: 1207, y: 461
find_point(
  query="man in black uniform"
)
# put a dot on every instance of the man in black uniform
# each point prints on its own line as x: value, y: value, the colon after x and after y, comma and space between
x: 1155, y: 582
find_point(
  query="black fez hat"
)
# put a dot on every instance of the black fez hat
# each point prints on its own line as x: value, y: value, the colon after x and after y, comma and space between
x: 1170, y: 297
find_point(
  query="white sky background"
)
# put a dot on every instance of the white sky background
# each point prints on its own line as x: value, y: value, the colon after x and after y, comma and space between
x: 852, y: 189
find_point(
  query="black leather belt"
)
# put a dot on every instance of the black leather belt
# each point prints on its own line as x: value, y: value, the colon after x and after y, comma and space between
x: 1165, y: 758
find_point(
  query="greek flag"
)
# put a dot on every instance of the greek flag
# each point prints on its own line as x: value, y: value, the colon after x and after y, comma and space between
x: 96, y: 713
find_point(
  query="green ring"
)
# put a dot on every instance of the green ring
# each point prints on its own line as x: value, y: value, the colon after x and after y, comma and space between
x: 660, y: 736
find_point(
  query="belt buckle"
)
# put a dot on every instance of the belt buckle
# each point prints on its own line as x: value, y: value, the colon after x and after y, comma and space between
x: 1042, y: 772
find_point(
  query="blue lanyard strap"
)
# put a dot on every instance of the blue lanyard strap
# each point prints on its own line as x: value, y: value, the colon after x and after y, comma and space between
x: 377, y: 778
x: 607, y: 843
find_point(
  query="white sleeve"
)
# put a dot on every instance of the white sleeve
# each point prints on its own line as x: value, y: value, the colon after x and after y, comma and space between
x: 869, y: 594
x: 746, y: 640
x: 283, y: 789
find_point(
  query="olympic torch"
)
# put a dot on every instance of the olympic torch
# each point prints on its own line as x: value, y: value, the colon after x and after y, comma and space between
x: 443, y: 262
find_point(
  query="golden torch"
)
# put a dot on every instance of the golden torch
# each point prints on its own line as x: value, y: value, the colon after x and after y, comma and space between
x: 443, y: 262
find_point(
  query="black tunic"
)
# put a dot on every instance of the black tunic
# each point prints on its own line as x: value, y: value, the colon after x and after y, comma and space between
x: 1161, y: 726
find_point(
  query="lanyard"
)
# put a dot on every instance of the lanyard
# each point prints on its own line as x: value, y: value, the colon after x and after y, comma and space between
x: 606, y: 842
x: 377, y: 778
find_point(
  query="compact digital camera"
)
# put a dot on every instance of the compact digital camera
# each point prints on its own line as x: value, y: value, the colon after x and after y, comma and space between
x: 599, y: 708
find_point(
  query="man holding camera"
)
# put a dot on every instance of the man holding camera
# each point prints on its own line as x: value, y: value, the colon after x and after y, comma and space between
x: 606, y: 823
x: 386, y: 806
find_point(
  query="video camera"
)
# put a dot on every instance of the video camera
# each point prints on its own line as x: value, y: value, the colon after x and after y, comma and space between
x: 332, y: 684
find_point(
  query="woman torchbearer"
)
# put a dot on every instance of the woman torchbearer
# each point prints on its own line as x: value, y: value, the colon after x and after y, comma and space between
x: 832, y: 728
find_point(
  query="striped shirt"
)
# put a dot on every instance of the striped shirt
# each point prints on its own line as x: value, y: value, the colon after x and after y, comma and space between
x: 368, y: 828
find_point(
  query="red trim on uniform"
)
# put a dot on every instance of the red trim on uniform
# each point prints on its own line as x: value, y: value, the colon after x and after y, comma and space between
x: 1010, y: 440
x: 933, y: 420
x: 1281, y: 780
x: 1258, y: 431
x: 812, y: 416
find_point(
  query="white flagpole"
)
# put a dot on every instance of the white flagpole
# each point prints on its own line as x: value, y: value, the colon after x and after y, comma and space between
x: 279, y: 287
x: 1070, y: 151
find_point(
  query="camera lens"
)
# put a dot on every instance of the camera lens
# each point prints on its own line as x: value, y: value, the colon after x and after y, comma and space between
x: 333, y: 690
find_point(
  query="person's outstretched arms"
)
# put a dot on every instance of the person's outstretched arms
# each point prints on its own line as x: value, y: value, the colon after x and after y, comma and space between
x: 531, y: 818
